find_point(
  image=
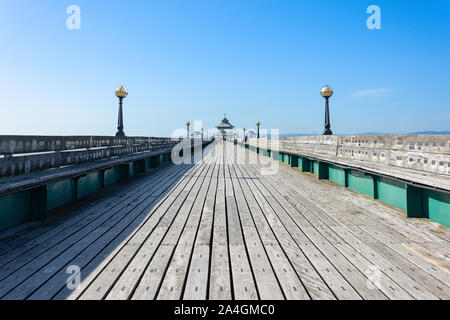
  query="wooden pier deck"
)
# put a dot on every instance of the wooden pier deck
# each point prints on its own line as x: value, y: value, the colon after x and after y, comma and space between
x: 222, y: 229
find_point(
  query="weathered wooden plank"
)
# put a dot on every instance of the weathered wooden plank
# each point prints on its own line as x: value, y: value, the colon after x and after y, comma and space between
x: 48, y: 234
x: 392, y: 218
x: 412, y: 286
x: 170, y: 228
x: 342, y: 289
x: 310, y: 278
x: 317, y: 241
x: 408, y: 284
x: 75, y: 242
x: 435, y: 264
x: 354, y: 275
x: 97, y: 265
x: 197, y: 279
x: 289, y: 280
x: 320, y: 198
x: 266, y: 280
x: 174, y: 280
x: 224, y: 230
x: 32, y: 283
x: 119, y: 219
x: 164, y: 214
x: 220, y: 286
x: 104, y: 245
x: 242, y: 273
x: 136, y: 258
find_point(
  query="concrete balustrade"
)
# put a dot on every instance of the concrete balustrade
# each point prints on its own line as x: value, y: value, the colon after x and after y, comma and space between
x: 25, y: 154
x: 429, y: 153
x: 30, y: 144
x: 411, y: 172
x: 39, y: 174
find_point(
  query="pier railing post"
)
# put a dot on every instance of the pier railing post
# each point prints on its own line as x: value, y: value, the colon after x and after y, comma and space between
x: 415, y: 202
x: 306, y: 165
x: 375, y: 186
x: 323, y: 171
x: 154, y: 162
x: 294, y: 161
x: 124, y: 171
x: 39, y: 203
x: 139, y: 166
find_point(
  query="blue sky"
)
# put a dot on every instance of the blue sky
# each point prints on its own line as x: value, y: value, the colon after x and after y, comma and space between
x: 194, y: 60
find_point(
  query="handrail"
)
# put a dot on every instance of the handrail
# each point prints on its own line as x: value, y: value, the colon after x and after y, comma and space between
x: 24, y: 154
x: 427, y: 153
x: 10, y: 145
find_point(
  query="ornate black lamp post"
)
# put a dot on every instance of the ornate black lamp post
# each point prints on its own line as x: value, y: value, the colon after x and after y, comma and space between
x: 258, y: 124
x: 244, y: 133
x: 327, y: 92
x: 187, y: 125
x: 121, y: 93
x: 202, y: 133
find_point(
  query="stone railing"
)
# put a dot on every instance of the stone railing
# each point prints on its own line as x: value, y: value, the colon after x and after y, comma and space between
x: 430, y: 153
x: 25, y: 154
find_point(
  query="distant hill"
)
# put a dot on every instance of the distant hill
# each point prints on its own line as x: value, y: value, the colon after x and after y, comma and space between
x: 362, y: 134
x: 286, y: 135
x: 432, y: 132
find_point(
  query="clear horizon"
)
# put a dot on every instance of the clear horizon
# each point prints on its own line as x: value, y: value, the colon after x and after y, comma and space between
x: 253, y: 60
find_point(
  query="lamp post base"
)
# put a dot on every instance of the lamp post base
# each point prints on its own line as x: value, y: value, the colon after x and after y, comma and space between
x: 327, y: 132
x: 120, y: 134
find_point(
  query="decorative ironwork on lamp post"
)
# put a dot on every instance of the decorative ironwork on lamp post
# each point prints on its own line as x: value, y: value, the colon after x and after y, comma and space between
x: 327, y: 92
x: 258, y: 124
x: 121, y: 93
